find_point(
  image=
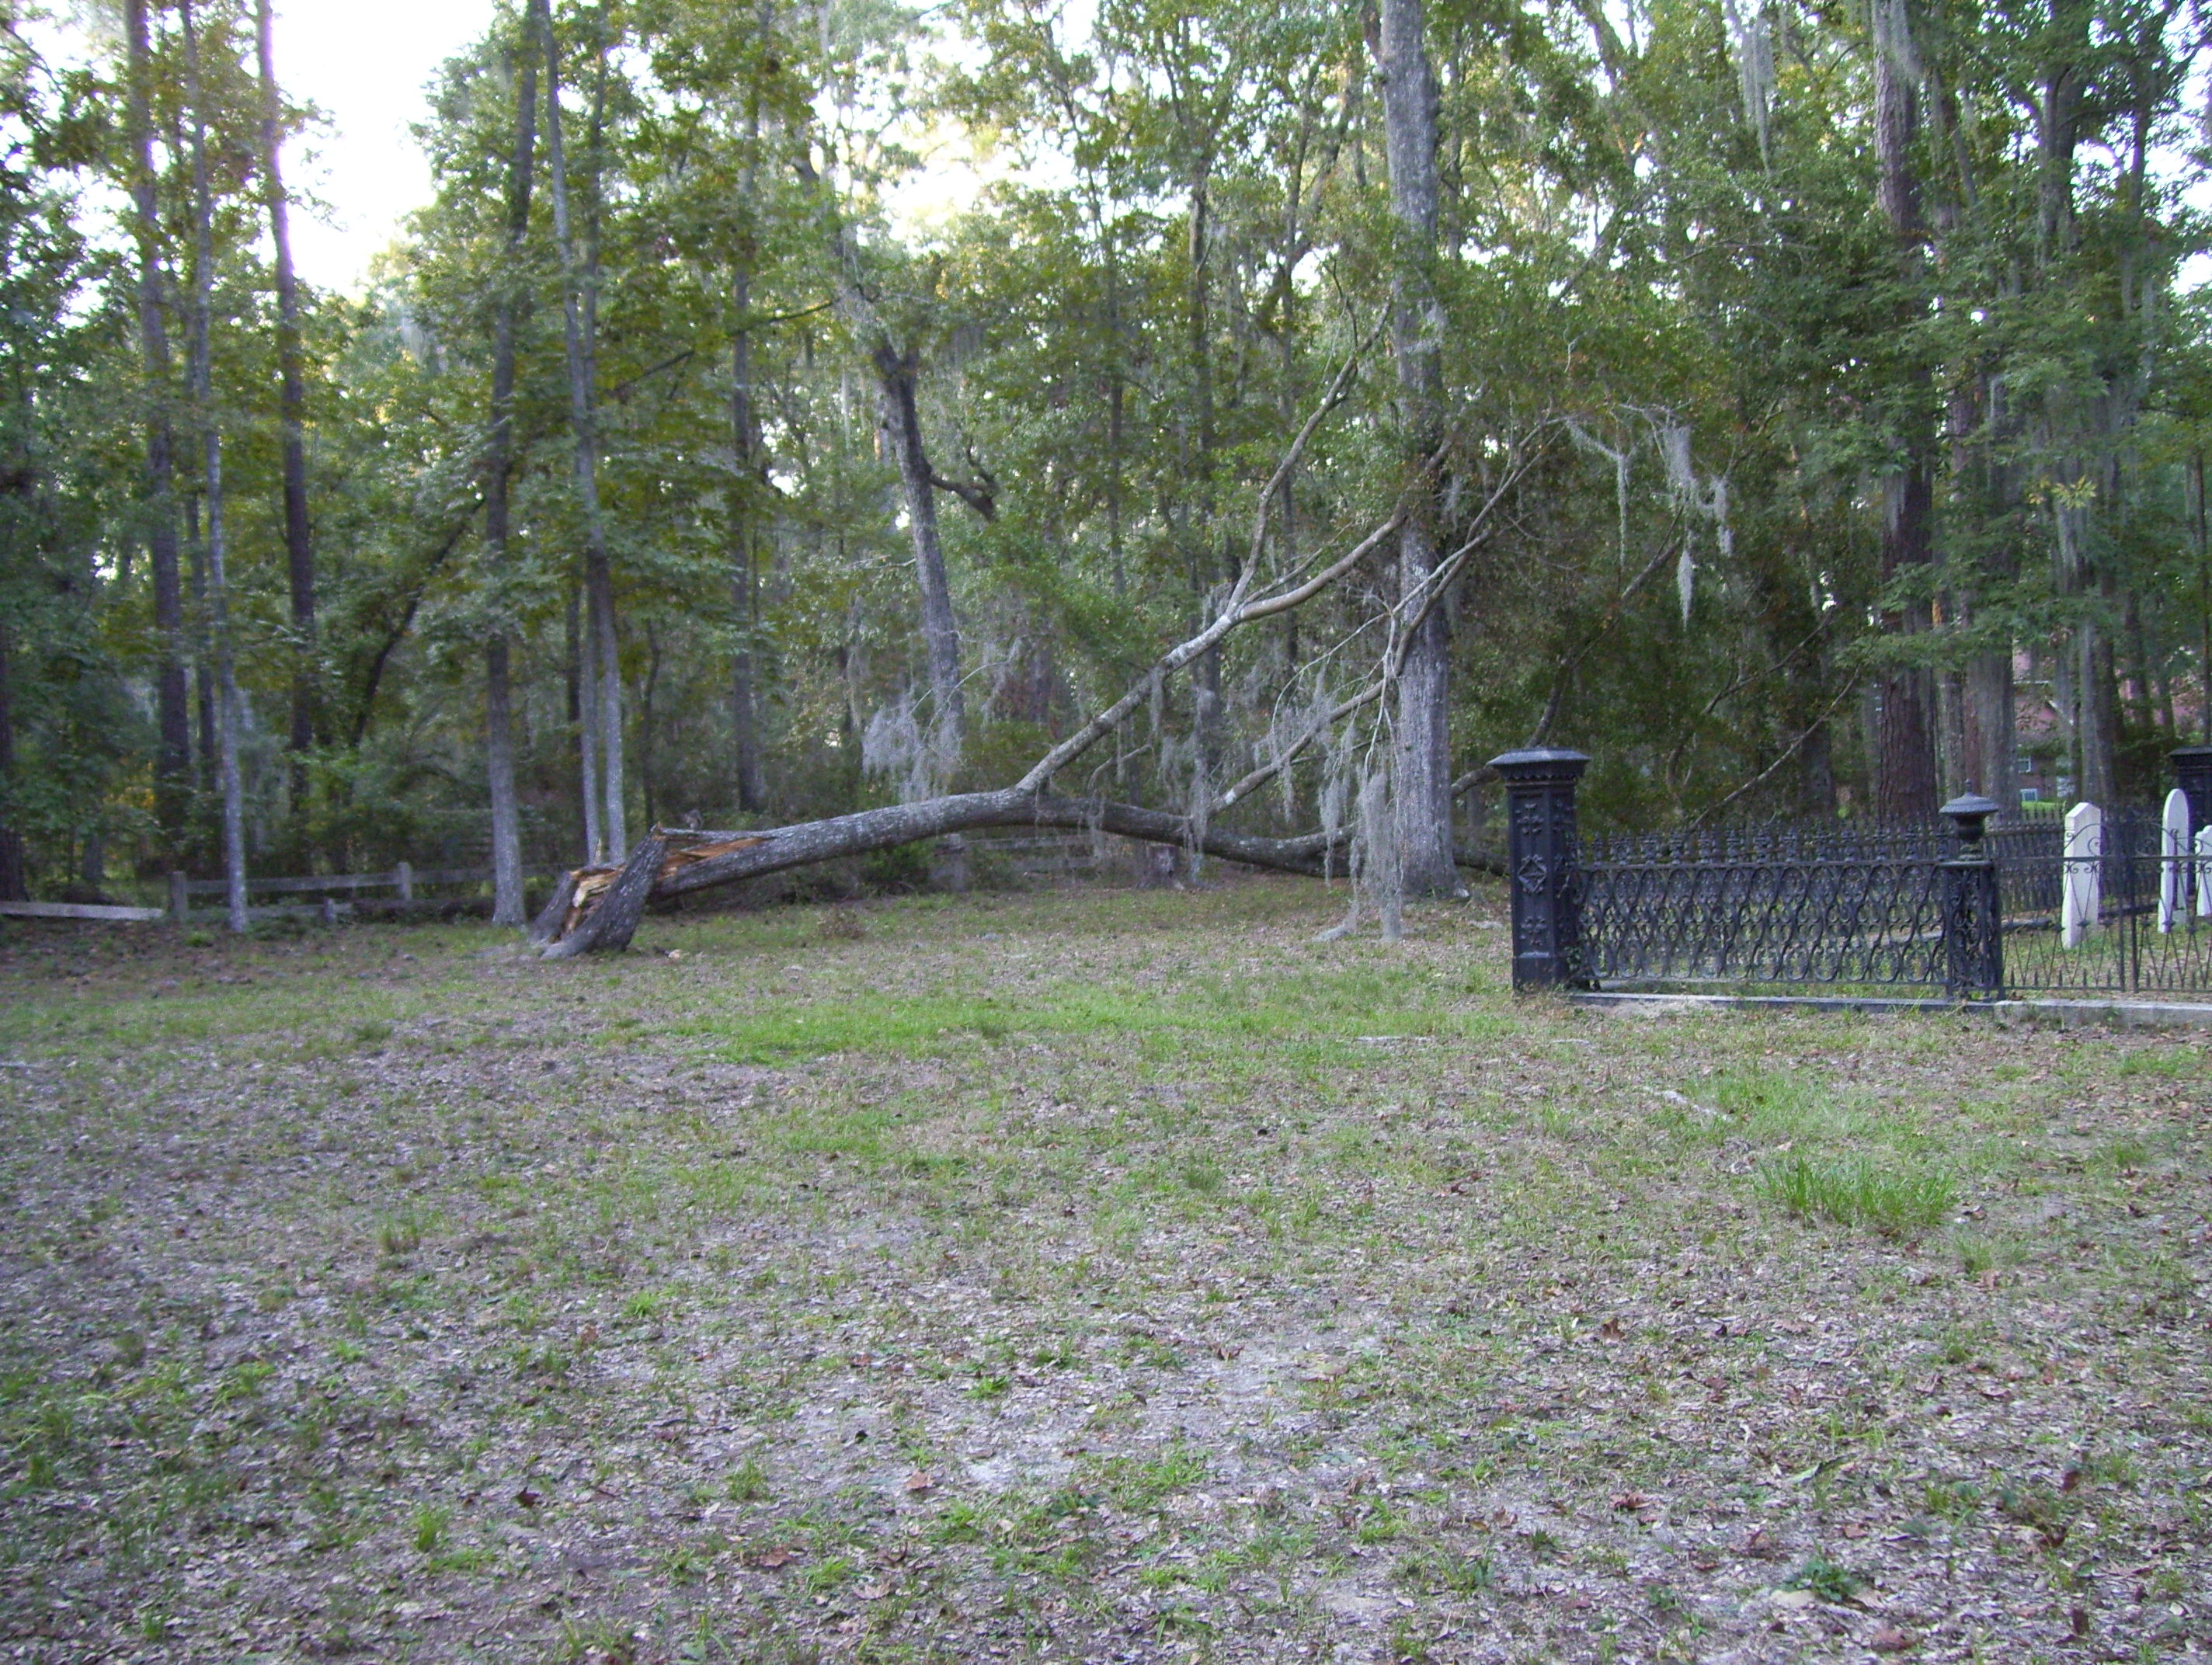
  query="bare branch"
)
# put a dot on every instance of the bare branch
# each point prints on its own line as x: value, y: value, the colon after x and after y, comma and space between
x: 1237, y: 612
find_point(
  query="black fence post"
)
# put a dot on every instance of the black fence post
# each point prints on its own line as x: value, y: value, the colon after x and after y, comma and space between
x: 1540, y: 865
x: 1974, y: 924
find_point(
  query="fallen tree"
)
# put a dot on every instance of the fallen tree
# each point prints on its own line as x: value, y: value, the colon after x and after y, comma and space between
x: 597, y: 909
x: 676, y: 862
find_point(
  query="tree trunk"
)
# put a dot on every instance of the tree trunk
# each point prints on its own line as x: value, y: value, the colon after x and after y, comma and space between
x: 583, y: 718
x: 1991, y: 745
x: 744, y: 570
x: 603, y: 705
x: 896, y: 372
x: 652, y: 875
x: 507, y: 907
x: 746, y: 484
x: 1423, y: 761
x: 1907, y: 786
x: 226, y: 680
x: 11, y: 841
x: 173, y: 754
x: 299, y: 549
x: 2097, y: 733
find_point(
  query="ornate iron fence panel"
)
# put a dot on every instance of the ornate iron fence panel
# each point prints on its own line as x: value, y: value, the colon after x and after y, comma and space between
x: 2148, y: 935
x: 1965, y: 909
x: 1873, y: 922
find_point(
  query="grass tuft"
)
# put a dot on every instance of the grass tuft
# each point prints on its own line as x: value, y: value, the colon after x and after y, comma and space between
x: 1855, y: 1191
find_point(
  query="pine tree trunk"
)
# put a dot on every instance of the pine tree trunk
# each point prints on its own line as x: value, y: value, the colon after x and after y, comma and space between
x: 173, y: 754
x: 508, y: 907
x: 1423, y: 762
x: 299, y: 548
x: 203, y: 379
x: 603, y: 703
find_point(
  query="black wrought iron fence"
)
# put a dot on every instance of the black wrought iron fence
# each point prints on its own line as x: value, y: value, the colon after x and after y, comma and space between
x: 1956, y: 906
x: 2144, y: 928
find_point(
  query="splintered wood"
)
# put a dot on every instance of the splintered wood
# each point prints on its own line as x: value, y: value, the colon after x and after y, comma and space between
x: 588, y: 884
x: 585, y: 885
x: 682, y: 856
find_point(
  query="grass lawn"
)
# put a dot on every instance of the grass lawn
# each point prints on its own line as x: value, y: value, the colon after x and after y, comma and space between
x: 1085, y: 1275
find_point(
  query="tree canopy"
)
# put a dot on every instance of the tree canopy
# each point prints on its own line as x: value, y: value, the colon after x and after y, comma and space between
x: 1802, y: 409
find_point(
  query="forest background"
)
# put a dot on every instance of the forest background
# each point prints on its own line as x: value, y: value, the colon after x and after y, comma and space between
x: 1800, y: 408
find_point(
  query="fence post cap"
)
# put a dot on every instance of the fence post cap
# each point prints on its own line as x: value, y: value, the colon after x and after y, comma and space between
x: 1972, y: 804
x: 1540, y: 763
x: 1966, y: 815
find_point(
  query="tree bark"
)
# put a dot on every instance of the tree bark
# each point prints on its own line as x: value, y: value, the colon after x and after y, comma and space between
x: 1422, y: 760
x: 1906, y: 786
x: 11, y: 841
x: 173, y: 754
x: 603, y: 706
x: 746, y: 485
x: 650, y: 875
x: 744, y: 570
x: 210, y: 426
x: 507, y: 907
x: 299, y: 547
x: 896, y: 372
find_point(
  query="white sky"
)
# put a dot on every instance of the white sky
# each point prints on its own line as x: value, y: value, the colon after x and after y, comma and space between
x: 365, y: 67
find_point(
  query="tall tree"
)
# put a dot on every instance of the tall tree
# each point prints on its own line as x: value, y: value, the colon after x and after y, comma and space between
x: 1906, y: 777
x: 172, y: 757
x: 299, y: 548
x: 12, y: 887
x: 603, y: 701
x: 746, y: 485
x: 499, y: 466
x: 209, y: 422
x: 1416, y: 326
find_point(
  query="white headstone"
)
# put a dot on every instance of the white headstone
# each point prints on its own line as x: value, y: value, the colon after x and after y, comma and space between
x: 2204, y: 872
x: 2084, y: 885
x: 2173, y: 859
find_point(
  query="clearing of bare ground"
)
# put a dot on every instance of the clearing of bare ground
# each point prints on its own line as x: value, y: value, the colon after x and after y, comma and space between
x: 1083, y: 1276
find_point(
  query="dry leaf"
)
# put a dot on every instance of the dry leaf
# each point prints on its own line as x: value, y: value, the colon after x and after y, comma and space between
x: 781, y: 1555
x: 875, y: 1591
